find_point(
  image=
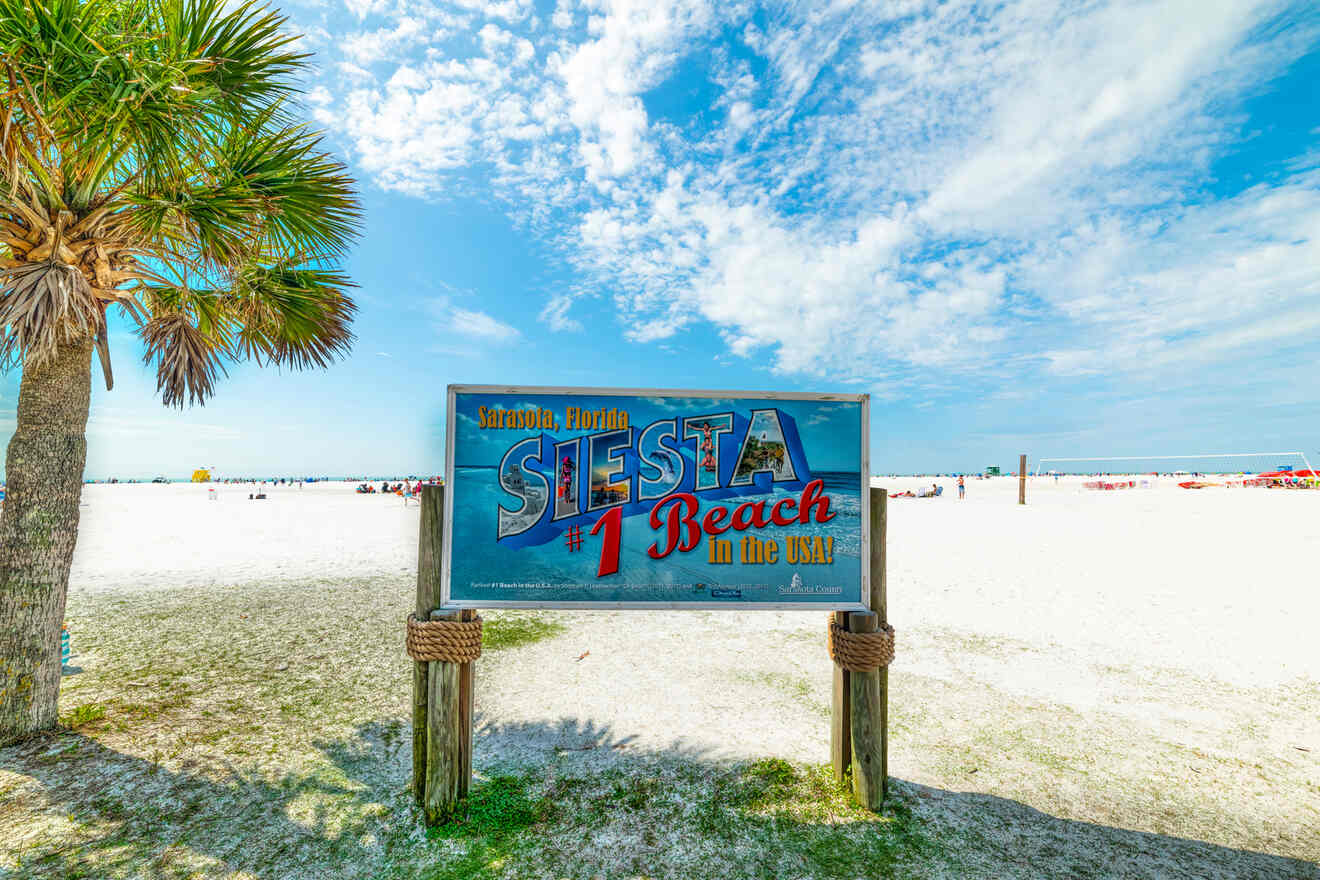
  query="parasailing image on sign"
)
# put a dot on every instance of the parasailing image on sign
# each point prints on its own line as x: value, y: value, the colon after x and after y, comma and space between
x: 597, y: 497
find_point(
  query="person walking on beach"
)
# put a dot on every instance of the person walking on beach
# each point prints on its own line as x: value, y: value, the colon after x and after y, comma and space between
x: 962, y: 489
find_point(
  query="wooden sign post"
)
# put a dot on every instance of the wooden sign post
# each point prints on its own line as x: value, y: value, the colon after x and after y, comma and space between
x: 442, y: 692
x: 859, y: 721
x: 1022, y: 479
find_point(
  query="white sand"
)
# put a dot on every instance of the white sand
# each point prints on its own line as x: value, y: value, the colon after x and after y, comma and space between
x: 152, y: 536
x: 1218, y: 583
x: 1221, y: 581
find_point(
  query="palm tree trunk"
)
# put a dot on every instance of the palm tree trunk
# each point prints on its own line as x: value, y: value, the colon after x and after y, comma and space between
x: 38, y: 531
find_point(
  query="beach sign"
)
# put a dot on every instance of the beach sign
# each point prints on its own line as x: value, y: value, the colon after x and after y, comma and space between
x: 596, y: 497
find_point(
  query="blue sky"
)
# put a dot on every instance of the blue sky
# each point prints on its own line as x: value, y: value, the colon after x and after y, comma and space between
x: 1061, y: 229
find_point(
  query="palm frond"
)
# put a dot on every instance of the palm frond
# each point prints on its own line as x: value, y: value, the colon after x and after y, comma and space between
x: 297, y: 317
x: 307, y: 198
x: 212, y: 222
x: 237, y: 58
x: 188, y: 361
x: 42, y: 306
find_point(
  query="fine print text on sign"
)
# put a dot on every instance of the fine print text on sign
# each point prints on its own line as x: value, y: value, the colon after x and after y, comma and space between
x: 601, y: 497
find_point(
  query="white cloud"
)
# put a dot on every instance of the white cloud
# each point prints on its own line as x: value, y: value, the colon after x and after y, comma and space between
x: 555, y: 314
x: 481, y: 326
x: 880, y: 192
x: 363, y: 8
x: 563, y: 15
x: 474, y: 325
x: 369, y: 47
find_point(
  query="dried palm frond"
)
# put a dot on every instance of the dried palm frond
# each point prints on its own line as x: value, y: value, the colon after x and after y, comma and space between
x: 42, y: 307
x: 188, y: 362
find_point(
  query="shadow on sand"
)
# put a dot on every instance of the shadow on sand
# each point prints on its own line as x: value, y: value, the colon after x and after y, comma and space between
x: 75, y: 808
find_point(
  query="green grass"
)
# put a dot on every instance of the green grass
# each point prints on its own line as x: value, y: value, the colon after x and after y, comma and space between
x: 488, y: 830
x: 86, y: 715
x: 669, y: 819
x: 505, y: 630
x: 499, y: 807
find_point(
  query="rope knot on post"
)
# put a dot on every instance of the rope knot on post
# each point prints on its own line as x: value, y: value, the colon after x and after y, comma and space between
x: 446, y: 641
x: 860, y: 652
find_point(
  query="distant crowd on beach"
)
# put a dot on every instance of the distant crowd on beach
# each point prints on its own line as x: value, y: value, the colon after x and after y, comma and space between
x: 406, y: 488
x: 245, y: 481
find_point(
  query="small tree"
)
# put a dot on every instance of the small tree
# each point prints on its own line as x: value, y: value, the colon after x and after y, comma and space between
x: 150, y: 161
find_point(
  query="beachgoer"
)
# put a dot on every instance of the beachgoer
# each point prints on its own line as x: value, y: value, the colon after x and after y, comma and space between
x: 962, y: 490
x: 565, y: 478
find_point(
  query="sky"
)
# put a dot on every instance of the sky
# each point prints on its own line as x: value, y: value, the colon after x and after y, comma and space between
x: 1064, y: 229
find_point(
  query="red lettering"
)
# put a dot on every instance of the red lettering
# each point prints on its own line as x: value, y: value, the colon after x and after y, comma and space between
x: 672, y: 522
x: 677, y: 514
x: 811, y: 498
x: 612, y: 521
x: 740, y: 522
x: 784, y: 519
x: 714, y: 517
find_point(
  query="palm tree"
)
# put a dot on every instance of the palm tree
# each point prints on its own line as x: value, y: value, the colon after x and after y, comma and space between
x: 150, y: 161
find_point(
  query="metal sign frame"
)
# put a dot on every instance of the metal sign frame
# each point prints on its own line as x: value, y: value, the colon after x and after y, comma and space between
x: 864, y: 499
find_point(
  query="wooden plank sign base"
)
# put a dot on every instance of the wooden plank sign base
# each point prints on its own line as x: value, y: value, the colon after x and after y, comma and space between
x: 445, y: 782
x: 868, y: 739
x: 430, y: 540
x: 442, y: 692
x: 840, y: 727
x: 859, y: 721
